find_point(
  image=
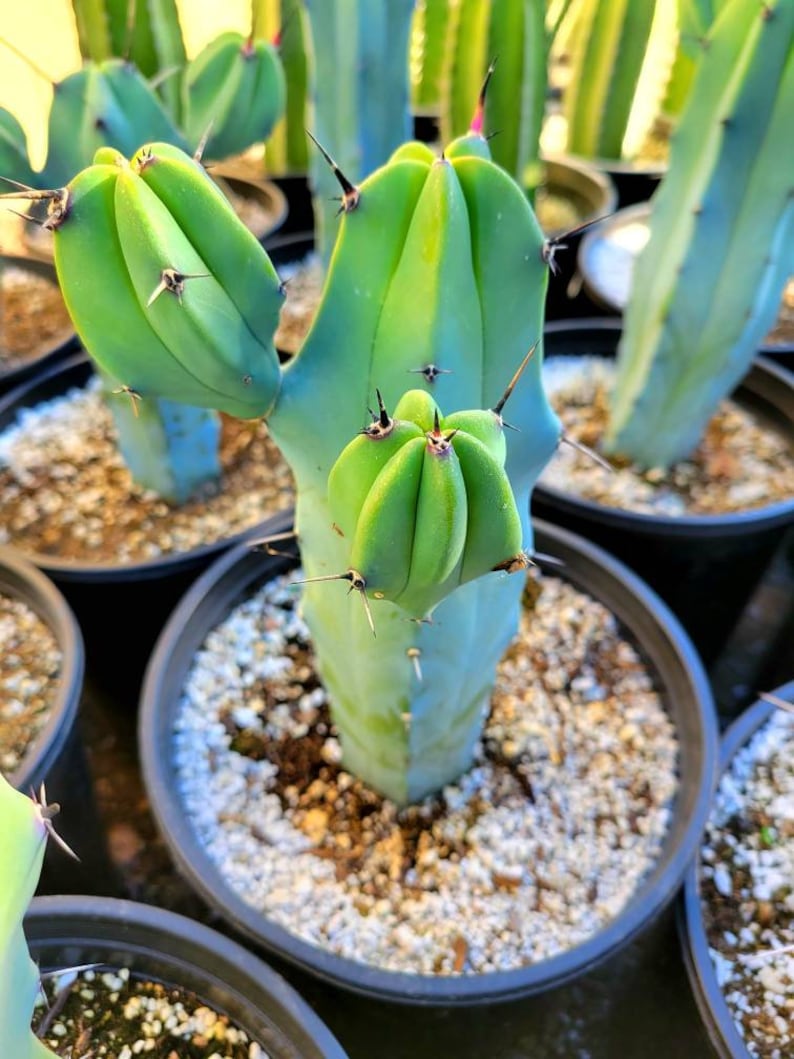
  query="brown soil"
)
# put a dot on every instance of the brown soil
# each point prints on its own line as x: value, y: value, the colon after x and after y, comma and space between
x: 33, y: 317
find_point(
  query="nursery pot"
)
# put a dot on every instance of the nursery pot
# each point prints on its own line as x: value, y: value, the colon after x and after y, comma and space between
x: 57, y: 757
x: 159, y: 945
x: 679, y: 677
x: 593, y: 196
x: 704, y: 566
x: 605, y: 262
x: 48, y: 351
x: 120, y: 608
x: 723, y: 1033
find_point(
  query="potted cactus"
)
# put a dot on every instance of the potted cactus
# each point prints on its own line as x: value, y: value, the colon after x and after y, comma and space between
x: 413, y: 531
x: 706, y: 289
x: 126, y: 946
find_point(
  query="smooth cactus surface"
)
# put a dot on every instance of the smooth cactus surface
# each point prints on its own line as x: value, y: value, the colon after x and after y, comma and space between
x: 433, y: 299
x: 428, y: 43
x: 23, y: 838
x: 609, y: 44
x: 14, y: 162
x: 360, y: 93
x: 708, y: 284
x: 233, y: 94
x: 147, y: 33
x: 108, y: 104
x: 512, y: 32
x: 287, y: 23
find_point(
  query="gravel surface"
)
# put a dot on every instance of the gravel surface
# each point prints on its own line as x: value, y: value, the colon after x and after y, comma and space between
x: 114, y: 1015
x: 747, y: 873
x: 30, y: 665
x: 65, y: 491
x: 740, y: 464
x: 33, y: 317
x: 537, y: 847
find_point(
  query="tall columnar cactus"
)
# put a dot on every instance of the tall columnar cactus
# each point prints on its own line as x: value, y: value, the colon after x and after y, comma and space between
x: 428, y: 43
x: 145, y: 32
x: 512, y: 32
x: 286, y: 22
x: 610, y: 76
x: 360, y: 92
x: 708, y: 284
x: 434, y: 297
x: 23, y: 838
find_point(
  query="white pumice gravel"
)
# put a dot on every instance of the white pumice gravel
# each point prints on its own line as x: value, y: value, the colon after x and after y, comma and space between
x: 747, y: 876
x: 65, y: 490
x: 116, y: 1015
x: 740, y: 464
x: 534, y: 850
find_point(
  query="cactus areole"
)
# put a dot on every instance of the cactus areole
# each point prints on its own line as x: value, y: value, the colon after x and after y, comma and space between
x: 431, y: 308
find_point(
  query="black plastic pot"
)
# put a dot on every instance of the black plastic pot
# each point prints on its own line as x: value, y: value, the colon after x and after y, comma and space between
x: 681, y: 682
x: 159, y: 945
x: 56, y: 349
x: 120, y: 608
x: 704, y: 566
x: 57, y: 756
x: 718, y: 1020
x: 605, y: 260
x: 593, y: 196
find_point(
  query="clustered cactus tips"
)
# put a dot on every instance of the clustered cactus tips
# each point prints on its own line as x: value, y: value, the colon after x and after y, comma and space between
x: 708, y: 284
x: 26, y: 825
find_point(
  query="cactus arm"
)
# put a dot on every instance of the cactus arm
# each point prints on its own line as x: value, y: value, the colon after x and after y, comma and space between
x: 169, y: 447
x: 93, y: 29
x: 14, y: 162
x: 385, y: 122
x: 23, y: 838
x: 611, y: 41
x: 286, y: 150
x: 725, y: 211
x: 516, y: 100
x: 428, y: 37
x: 465, y: 60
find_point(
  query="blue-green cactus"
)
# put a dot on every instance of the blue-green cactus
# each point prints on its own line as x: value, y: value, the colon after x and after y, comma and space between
x: 707, y: 286
x: 433, y: 299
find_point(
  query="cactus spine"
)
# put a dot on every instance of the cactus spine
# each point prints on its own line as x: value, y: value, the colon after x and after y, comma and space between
x: 23, y: 838
x: 514, y: 33
x: 360, y: 93
x: 707, y: 286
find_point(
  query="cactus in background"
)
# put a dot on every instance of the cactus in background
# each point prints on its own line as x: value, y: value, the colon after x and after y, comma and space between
x: 708, y: 284
x: 23, y: 838
x: 234, y: 91
x: 513, y: 32
x: 621, y: 55
x: 109, y: 104
x: 145, y: 32
x: 14, y: 162
x: 428, y: 43
x: 434, y: 295
x: 694, y: 19
x: 286, y: 22
x: 360, y: 93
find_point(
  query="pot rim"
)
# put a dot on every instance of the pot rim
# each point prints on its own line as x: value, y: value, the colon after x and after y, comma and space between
x: 21, y: 578
x: 18, y: 373
x: 84, y: 572
x: 710, y: 999
x: 676, y: 664
x: 113, y: 922
x: 764, y: 373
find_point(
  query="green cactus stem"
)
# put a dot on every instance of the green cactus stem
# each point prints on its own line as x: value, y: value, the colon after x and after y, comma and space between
x: 708, y: 284
x: 286, y: 23
x: 514, y: 33
x: 14, y: 161
x: 428, y: 43
x: 360, y: 93
x: 23, y: 838
x: 145, y: 32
